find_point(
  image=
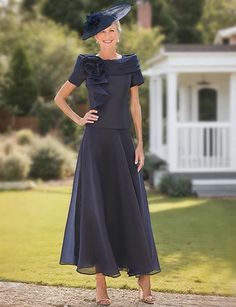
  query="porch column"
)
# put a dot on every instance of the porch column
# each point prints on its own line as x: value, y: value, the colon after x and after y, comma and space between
x: 183, y: 104
x: 171, y: 120
x: 159, y: 123
x: 232, y: 115
x: 153, y: 115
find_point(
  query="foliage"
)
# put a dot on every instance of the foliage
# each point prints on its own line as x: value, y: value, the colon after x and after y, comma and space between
x: 7, y: 146
x: 20, y: 91
x: 52, y: 118
x: 163, y: 12
x: 188, y: 13
x: 24, y: 153
x: 48, y: 114
x: 71, y: 133
x: 178, y: 19
x: 217, y: 14
x: 52, y: 55
x: 180, y: 187
x: 50, y: 160
x: 175, y: 187
x: 24, y: 136
x: 165, y: 183
x: 44, y: 52
x: 28, y: 4
x: 2, y: 158
x: 152, y: 162
x: 145, y: 44
x: 15, y: 167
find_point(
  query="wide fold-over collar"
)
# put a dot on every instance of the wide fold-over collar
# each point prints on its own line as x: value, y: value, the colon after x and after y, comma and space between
x: 127, y: 64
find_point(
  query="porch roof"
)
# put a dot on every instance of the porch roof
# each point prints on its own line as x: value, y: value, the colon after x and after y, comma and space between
x: 224, y: 33
x: 199, y: 48
x: 192, y: 58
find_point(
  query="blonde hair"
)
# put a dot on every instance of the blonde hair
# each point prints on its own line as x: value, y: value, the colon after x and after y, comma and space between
x: 118, y: 25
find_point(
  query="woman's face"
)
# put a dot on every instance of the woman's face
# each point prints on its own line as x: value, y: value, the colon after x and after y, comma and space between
x: 108, y: 37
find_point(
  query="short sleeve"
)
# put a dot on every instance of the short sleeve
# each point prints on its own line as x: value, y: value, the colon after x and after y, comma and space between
x: 77, y: 76
x: 136, y: 78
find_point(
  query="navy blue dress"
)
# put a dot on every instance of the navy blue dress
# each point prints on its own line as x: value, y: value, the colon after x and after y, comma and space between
x: 108, y: 227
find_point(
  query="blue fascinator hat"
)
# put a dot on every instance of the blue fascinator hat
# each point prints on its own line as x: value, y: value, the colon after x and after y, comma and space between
x: 98, y: 21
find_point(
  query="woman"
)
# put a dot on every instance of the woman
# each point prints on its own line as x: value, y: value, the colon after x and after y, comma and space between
x: 108, y: 227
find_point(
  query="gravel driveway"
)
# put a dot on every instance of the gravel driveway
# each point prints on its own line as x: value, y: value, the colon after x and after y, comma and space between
x: 23, y: 294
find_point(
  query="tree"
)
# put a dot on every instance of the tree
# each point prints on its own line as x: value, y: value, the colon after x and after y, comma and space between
x: 188, y: 14
x: 217, y: 14
x: 178, y: 19
x: 163, y: 15
x: 28, y: 4
x: 20, y: 89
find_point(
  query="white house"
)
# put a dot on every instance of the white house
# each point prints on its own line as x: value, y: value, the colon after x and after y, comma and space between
x: 193, y: 112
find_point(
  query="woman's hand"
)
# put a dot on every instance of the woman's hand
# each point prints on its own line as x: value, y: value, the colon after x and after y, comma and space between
x: 89, y: 117
x: 139, y: 156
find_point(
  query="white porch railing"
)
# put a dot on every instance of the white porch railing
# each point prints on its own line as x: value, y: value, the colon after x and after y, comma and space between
x: 203, y: 145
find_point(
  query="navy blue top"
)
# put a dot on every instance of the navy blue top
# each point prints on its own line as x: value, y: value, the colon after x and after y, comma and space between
x: 108, y: 83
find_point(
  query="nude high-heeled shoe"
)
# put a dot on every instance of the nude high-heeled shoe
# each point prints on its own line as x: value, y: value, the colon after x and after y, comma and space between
x: 104, y: 302
x: 149, y: 299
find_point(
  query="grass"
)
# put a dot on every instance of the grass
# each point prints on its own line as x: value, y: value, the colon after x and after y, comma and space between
x: 195, y: 241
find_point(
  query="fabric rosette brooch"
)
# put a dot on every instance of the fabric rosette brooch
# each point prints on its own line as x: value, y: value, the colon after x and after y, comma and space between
x: 96, y: 73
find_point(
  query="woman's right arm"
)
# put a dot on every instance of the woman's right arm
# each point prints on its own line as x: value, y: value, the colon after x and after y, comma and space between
x: 60, y: 99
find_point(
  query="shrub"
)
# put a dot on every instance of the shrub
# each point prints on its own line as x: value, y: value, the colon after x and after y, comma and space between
x: 165, y: 183
x: 181, y: 187
x: 25, y: 136
x: 175, y: 187
x: 50, y: 160
x: 15, y: 167
x: 8, y: 146
x: 69, y: 165
x: 2, y: 159
x: 49, y: 115
x: 70, y: 131
x: 152, y: 162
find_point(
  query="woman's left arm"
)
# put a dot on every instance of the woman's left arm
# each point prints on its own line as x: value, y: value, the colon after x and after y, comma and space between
x: 136, y: 112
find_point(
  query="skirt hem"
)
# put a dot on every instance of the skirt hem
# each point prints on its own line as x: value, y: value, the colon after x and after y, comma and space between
x: 114, y: 275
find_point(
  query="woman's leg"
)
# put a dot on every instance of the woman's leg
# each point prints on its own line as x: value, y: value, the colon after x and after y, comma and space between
x: 145, y: 289
x: 145, y: 283
x: 101, y: 287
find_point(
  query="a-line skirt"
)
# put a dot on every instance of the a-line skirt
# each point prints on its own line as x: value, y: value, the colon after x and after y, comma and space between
x: 108, y: 227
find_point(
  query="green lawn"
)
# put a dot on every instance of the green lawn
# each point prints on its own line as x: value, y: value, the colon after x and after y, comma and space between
x: 195, y: 240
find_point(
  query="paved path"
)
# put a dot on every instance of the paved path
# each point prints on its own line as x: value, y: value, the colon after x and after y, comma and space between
x: 23, y: 294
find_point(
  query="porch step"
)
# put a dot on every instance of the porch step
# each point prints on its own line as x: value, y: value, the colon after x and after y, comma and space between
x: 214, y: 187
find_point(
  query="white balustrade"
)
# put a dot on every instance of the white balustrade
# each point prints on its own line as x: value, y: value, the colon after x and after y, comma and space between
x: 203, y: 145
